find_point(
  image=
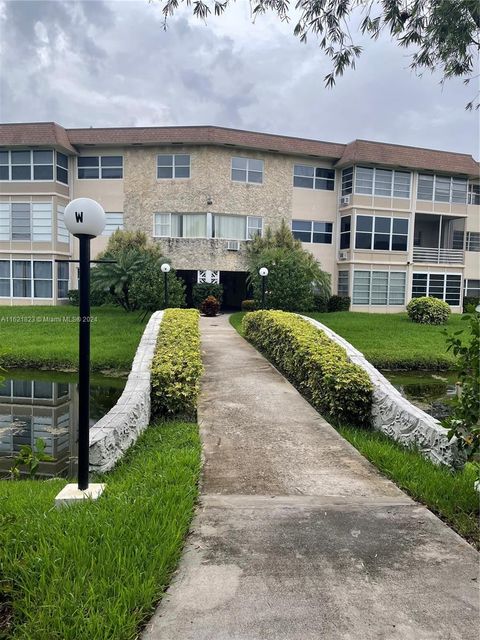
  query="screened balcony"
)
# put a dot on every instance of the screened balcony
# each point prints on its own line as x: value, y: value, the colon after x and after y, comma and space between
x: 438, y: 239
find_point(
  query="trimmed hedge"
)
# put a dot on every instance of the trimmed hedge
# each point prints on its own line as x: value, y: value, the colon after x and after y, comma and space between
x: 177, y: 365
x: 317, y: 366
x: 249, y: 305
x: 427, y: 310
x: 338, y: 303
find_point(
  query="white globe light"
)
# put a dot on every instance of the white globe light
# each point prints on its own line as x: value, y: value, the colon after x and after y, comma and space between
x: 263, y: 271
x: 165, y: 267
x: 84, y: 216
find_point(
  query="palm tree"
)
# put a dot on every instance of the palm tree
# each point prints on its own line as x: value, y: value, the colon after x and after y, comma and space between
x: 116, y: 277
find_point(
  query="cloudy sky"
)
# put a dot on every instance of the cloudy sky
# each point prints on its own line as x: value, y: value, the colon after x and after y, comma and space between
x: 99, y: 63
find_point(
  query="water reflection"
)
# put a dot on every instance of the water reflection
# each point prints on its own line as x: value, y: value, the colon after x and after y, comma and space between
x: 430, y: 391
x: 45, y: 405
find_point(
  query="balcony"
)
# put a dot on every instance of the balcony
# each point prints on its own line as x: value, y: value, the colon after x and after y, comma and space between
x: 438, y: 239
x: 438, y: 255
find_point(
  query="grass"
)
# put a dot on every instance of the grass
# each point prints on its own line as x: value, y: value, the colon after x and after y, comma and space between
x: 389, y: 341
x: 48, y: 337
x: 451, y: 495
x: 95, y: 571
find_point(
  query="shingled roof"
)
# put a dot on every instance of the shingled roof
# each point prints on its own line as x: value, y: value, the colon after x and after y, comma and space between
x: 206, y: 135
x: 411, y: 157
x: 358, y: 151
x: 35, y: 134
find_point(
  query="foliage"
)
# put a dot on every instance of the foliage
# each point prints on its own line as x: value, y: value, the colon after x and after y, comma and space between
x: 338, y: 303
x: 30, y: 458
x: 392, y: 341
x: 449, y: 494
x: 147, y: 287
x: 444, y: 33
x: 248, y: 305
x: 49, y: 337
x: 294, y: 278
x: 470, y: 303
x: 319, y: 368
x: 464, y: 422
x: 96, y: 571
x: 134, y: 279
x: 320, y: 302
x: 177, y: 364
x: 210, y: 306
x: 428, y: 310
x: 202, y: 290
x: 97, y: 298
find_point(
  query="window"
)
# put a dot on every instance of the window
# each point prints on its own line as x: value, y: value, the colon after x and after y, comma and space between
x: 42, y: 279
x: 62, y: 231
x: 4, y: 221
x: 173, y: 166
x: 100, y: 167
x: 247, y: 170
x: 312, y: 231
x: 379, y: 287
x: 347, y: 181
x: 444, y: 286
x: 342, y: 287
x: 42, y: 222
x: 62, y: 168
x: 385, y: 183
x: 26, y: 221
x: 62, y: 279
x: 381, y: 233
x: 345, y: 225
x: 180, y: 225
x: 4, y: 278
x: 229, y: 227
x: 22, y: 278
x: 471, y: 288
x: 473, y: 241
x: 27, y: 278
x: 32, y: 164
x: 309, y: 177
x: 442, y: 188
x: 21, y: 221
x: 254, y: 227
x: 473, y: 193
x: 113, y: 221
x: 162, y: 225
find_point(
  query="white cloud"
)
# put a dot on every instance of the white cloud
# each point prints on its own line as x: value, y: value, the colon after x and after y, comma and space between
x: 112, y: 64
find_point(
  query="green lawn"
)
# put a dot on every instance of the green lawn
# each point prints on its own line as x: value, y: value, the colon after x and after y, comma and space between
x: 95, y: 571
x: 46, y: 337
x: 389, y: 341
x: 450, y: 495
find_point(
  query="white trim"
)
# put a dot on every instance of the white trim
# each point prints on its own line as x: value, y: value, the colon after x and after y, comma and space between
x: 314, y: 177
x: 376, y: 195
x: 247, y: 181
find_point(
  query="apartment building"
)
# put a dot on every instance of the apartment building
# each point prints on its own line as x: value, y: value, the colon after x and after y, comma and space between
x: 389, y: 222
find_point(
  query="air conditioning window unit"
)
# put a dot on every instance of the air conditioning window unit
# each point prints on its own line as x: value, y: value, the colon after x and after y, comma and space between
x: 344, y: 200
x: 233, y: 245
x: 343, y: 255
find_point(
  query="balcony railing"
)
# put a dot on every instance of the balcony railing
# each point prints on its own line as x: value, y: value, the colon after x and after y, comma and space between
x: 438, y: 256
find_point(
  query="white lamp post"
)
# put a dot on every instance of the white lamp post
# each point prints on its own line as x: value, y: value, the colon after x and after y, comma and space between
x: 85, y: 219
x: 166, y: 270
x: 263, y: 271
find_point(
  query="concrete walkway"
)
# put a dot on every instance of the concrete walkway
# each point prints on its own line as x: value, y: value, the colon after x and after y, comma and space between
x: 296, y: 536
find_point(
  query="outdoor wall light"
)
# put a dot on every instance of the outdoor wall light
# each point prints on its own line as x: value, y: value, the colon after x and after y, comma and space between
x: 85, y: 219
x: 166, y: 270
x: 263, y: 271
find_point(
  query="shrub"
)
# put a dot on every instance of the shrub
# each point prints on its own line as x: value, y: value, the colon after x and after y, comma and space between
x: 295, y: 276
x: 177, y: 365
x: 319, y: 368
x: 97, y: 298
x: 470, y: 303
x: 248, y: 305
x: 320, y: 302
x: 210, y: 307
x: 338, y: 303
x: 428, y: 311
x: 203, y: 290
